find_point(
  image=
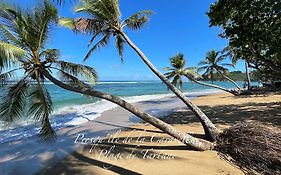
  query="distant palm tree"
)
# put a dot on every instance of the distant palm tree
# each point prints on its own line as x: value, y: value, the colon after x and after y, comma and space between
x: 104, y: 22
x: 178, y: 70
x: 234, y: 57
x: 22, y: 47
x: 212, y: 64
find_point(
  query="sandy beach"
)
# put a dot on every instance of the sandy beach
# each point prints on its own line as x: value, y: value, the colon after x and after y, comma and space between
x: 142, y: 149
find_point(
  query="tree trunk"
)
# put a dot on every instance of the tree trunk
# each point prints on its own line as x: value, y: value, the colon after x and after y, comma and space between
x: 229, y: 79
x: 211, y: 131
x: 210, y: 85
x: 187, y: 139
x: 248, y: 75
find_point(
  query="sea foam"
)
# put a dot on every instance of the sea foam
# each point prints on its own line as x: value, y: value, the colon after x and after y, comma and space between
x: 74, y: 115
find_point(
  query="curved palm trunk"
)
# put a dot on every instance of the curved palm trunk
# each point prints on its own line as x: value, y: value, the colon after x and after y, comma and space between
x: 211, y: 131
x: 248, y: 75
x: 229, y: 79
x: 211, y: 85
x: 187, y: 139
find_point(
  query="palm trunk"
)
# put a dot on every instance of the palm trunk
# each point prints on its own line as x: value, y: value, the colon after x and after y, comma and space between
x: 210, y: 85
x: 229, y: 79
x: 248, y: 75
x: 211, y: 131
x: 187, y: 139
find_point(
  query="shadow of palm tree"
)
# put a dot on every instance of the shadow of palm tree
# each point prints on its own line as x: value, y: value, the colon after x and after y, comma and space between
x: 267, y: 113
x: 82, y: 161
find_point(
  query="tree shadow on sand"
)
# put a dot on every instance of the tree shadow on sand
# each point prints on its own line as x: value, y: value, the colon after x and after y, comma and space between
x: 267, y: 113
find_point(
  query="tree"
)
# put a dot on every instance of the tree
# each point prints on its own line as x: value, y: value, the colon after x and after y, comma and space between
x: 253, y: 30
x: 212, y: 64
x: 22, y: 45
x: 234, y: 57
x: 105, y: 22
x: 178, y: 69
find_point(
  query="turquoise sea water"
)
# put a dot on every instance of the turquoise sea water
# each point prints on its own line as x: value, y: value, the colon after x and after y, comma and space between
x: 71, y: 109
x: 63, y: 97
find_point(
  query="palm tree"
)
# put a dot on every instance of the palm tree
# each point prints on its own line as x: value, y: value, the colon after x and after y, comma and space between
x: 22, y: 47
x: 234, y: 57
x: 212, y: 64
x: 105, y: 21
x: 178, y: 69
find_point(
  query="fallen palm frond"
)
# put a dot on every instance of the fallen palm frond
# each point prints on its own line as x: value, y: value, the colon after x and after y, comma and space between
x: 254, y: 147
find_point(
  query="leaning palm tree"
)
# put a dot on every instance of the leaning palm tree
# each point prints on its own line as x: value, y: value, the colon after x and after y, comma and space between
x: 178, y: 70
x: 105, y: 21
x: 22, y: 47
x: 212, y: 64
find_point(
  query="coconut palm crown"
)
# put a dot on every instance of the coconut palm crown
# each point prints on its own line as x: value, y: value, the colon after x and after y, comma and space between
x: 178, y: 70
x: 23, y: 38
x: 105, y: 22
x: 213, y: 64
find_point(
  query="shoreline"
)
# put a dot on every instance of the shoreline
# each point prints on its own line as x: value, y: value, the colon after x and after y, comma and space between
x: 219, y: 107
x: 44, y: 154
x: 75, y: 115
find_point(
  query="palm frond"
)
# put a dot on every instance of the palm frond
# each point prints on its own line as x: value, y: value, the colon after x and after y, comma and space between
x: 137, y: 20
x: 71, y: 80
x: 192, y: 73
x: 102, y: 43
x: 227, y: 65
x: 78, y: 70
x: 170, y: 75
x: 67, y: 22
x: 5, y: 77
x: 13, y: 105
x: 9, y: 55
x: 203, y: 68
x: 169, y: 69
x: 175, y: 81
x: 221, y: 68
x: 43, y: 16
x: 219, y: 59
x: 101, y: 9
x: 7, y: 36
x: 50, y: 54
x: 120, y: 45
x: 30, y: 29
x: 40, y: 109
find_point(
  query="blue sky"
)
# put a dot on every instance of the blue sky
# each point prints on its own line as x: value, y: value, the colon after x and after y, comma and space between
x: 177, y: 26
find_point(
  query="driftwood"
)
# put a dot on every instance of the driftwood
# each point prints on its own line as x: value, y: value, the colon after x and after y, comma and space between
x: 253, y: 147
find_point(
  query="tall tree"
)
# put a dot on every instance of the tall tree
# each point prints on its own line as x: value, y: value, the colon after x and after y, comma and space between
x: 213, y: 64
x: 22, y: 47
x: 253, y: 28
x: 105, y: 21
x: 178, y: 70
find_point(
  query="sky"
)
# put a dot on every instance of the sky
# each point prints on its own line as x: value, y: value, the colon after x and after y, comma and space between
x: 178, y: 26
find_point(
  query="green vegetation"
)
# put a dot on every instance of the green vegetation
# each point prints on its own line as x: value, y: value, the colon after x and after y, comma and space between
x: 178, y: 70
x: 234, y: 75
x: 253, y: 29
x: 22, y: 47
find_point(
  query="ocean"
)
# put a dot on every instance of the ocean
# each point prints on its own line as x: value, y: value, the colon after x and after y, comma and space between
x: 72, y: 109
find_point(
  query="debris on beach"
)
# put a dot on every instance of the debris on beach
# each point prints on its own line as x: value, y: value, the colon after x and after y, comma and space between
x: 253, y: 147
